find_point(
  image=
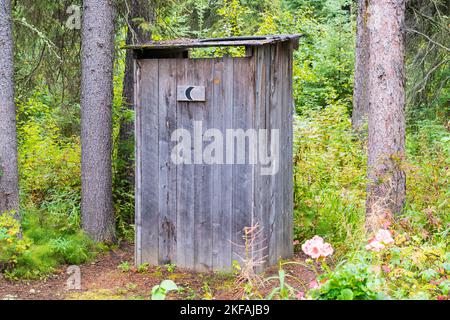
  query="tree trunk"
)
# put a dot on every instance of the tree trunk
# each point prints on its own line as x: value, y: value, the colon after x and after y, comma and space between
x: 9, y: 175
x: 139, y: 10
x: 360, y: 101
x: 96, y: 123
x: 386, y: 96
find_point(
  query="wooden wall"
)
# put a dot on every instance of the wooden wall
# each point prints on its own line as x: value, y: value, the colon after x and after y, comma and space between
x: 193, y: 215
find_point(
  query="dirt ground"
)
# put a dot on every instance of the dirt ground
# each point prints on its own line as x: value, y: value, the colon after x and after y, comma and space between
x: 102, y: 279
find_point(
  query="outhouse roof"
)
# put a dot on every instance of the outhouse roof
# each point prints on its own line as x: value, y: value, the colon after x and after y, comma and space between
x: 216, y: 42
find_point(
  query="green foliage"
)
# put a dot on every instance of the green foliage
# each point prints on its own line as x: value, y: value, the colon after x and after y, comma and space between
x: 159, y: 292
x: 283, y: 291
x: 323, y: 65
x: 49, y: 164
x: 43, y: 247
x: 123, y: 192
x: 329, y: 178
x: 329, y: 182
x: 50, y: 245
x: 412, y: 269
x: 11, y: 244
x: 427, y: 209
x: 47, y: 55
x: 417, y: 268
x: 232, y: 14
x: 349, y: 281
x: 124, y: 266
x: 143, y: 267
x: 170, y: 267
x: 427, y: 62
x: 50, y: 186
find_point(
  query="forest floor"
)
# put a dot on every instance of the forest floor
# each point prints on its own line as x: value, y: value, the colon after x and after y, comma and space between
x: 103, y: 279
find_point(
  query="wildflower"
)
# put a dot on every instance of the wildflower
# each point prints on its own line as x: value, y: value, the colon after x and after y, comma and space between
x: 386, y: 269
x: 313, y: 284
x: 384, y: 236
x: 375, y: 245
x: 317, y: 248
x: 327, y: 249
x: 379, y: 242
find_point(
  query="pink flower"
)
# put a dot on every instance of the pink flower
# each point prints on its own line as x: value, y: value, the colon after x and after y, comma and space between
x: 301, y: 295
x: 384, y: 236
x: 313, y: 284
x: 316, y: 248
x: 387, y: 224
x: 375, y: 245
x: 379, y: 242
x: 386, y: 269
x: 327, y: 250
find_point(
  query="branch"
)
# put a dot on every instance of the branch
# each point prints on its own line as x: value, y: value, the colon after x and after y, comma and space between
x: 428, y: 38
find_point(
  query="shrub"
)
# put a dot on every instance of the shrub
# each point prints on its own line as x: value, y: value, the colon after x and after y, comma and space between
x: 12, y: 245
x: 329, y: 178
x: 404, y: 268
x: 48, y: 247
x: 428, y: 176
x: 349, y: 281
x: 50, y: 185
x: 49, y: 165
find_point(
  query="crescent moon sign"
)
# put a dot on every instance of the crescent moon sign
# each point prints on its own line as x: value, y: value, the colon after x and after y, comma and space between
x: 188, y: 93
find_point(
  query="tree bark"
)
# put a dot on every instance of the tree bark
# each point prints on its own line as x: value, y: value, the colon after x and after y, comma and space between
x: 9, y: 175
x: 138, y: 9
x: 96, y: 122
x: 386, y: 96
x: 360, y: 101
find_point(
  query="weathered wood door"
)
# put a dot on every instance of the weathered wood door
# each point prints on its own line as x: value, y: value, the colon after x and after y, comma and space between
x: 191, y: 215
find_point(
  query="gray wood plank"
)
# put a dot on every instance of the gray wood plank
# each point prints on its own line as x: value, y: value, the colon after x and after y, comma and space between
x: 279, y: 113
x: 275, y: 188
x: 202, y: 70
x: 167, y: 169
x: 284, y: 144
x: 261, y: 181
x: 149, y: 204
x: 243, y: 108
x: 221, y: 189
x: 138, y: 175
x: 267, y: 180
x: 289, y: 183
x: 185, y: 180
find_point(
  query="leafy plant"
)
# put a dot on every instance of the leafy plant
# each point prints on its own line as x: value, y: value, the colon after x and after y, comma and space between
x: 143, y: 267
x: 12, y: 245
x: 159, y: 292
x: 283, y: 291
x: 349, y: 281
x: 329, y: 178
x: 207, y: 292
x: 124, y: 266
x: 170, y: 267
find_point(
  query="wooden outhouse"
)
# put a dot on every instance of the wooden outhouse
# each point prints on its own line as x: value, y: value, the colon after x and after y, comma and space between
x: 214, y: 153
